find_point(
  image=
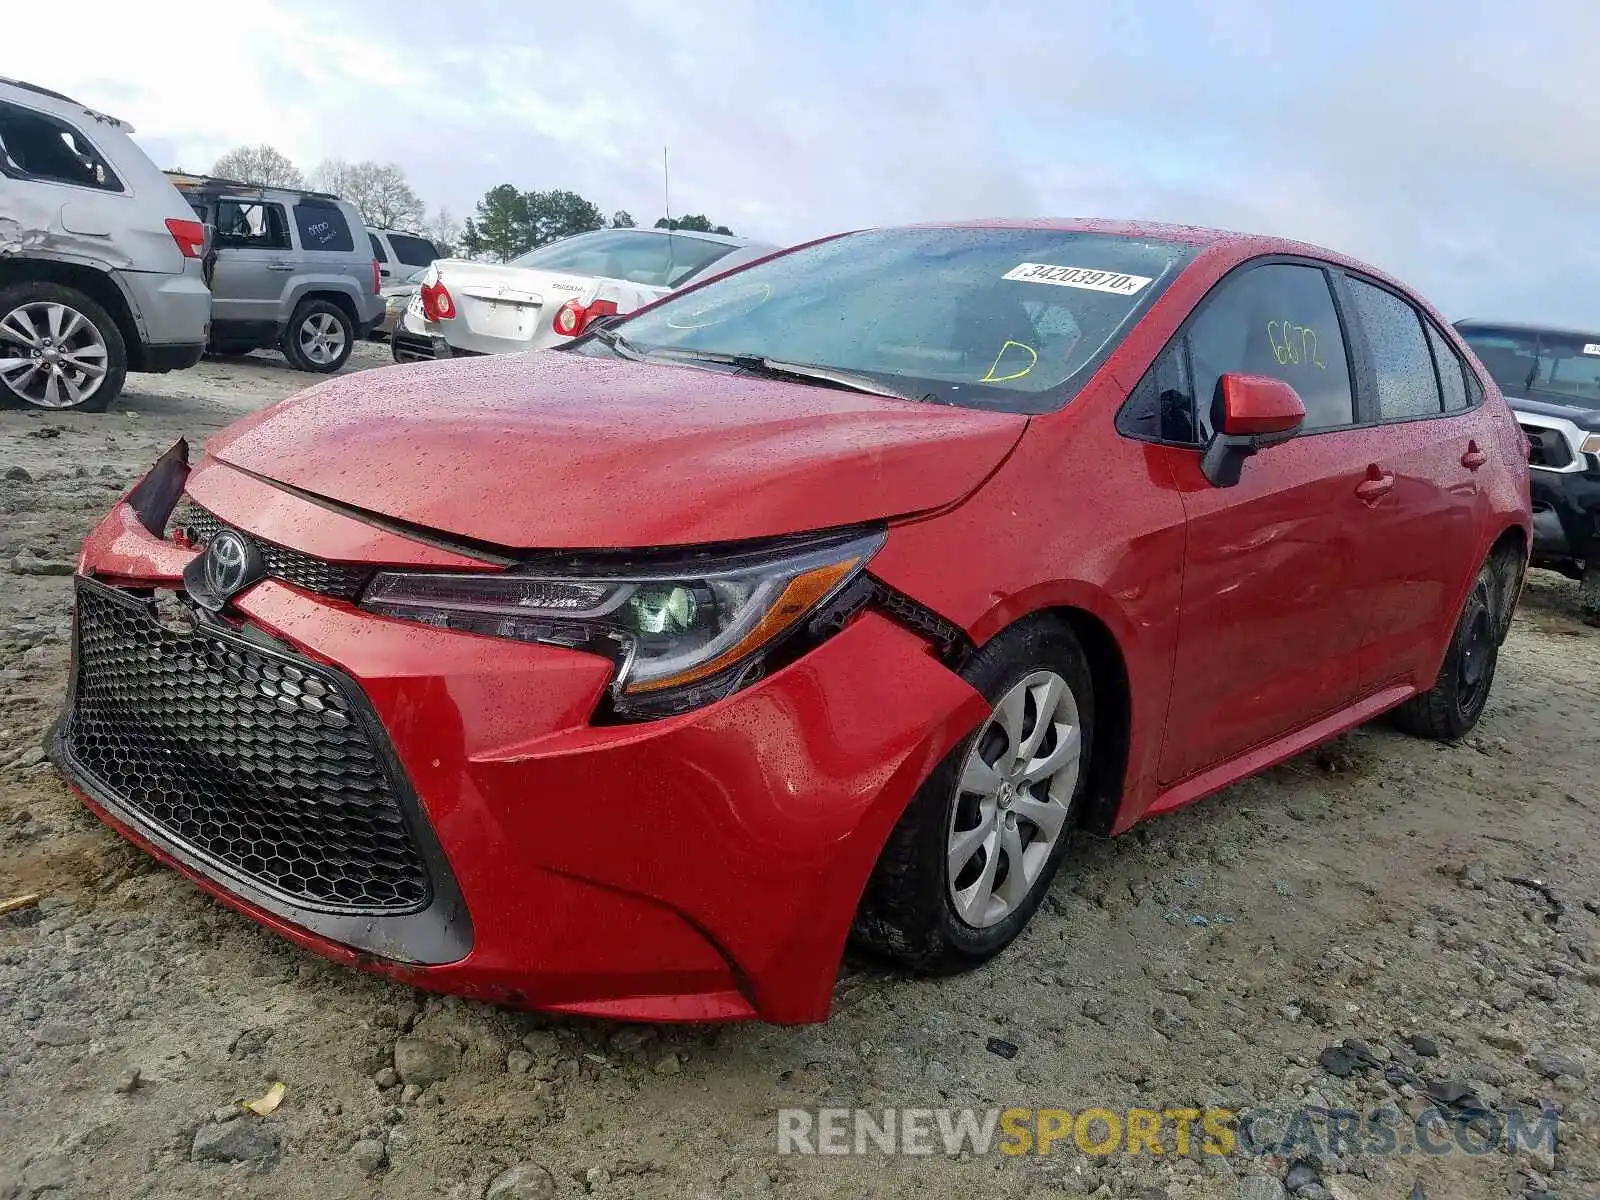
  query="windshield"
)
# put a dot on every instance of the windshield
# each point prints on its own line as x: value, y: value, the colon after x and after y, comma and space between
x: 634, y: 255
x: 986, y: 318
x: 1561, y: 368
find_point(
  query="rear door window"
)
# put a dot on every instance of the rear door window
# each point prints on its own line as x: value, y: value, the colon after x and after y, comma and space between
x: 1277, y: 320
x: 377, y: 248
x: 251, y: 225
x: 1401, y: 360
x: 36, y: 146
x: 322, y: 227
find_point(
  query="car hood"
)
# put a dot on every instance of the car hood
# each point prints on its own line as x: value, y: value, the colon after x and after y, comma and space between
x: 1586, y: 419
x: 561, y: 451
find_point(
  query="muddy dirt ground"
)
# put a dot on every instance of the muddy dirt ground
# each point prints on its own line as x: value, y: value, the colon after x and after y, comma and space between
x: 1216, y: 958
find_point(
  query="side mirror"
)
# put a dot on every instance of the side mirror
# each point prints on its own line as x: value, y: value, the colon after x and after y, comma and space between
x: 1252, y: 412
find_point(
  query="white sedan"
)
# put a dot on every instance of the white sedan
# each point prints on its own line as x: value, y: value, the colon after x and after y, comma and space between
x: 549, y: 295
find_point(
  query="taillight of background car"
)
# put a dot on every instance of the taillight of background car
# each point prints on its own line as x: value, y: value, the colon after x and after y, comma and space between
x: 436, y: 302
x: 574, y: 316
x: 190, y: 236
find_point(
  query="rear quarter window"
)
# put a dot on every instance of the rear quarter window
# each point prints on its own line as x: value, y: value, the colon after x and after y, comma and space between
x: 34, y: 145
x: 413, y: 251
x: 1401, y: 359
x: 322, y: 227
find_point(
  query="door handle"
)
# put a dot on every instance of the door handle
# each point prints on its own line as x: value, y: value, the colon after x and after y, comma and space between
x: 278, y: 264
x: 1474, y: 457
x: 1378, y: 484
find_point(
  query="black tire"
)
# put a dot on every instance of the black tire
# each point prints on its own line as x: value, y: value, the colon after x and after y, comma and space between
x: 907, y: 913
x: 292, y: 342
x: 1589, y: 593
x: 1447, y: 711
x: 15, y: 296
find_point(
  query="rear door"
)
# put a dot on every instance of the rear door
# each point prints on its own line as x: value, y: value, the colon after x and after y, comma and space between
x: 57, y: 179
x: 255, y: 260
x: 1270, y: 634
x: 1424, y: 503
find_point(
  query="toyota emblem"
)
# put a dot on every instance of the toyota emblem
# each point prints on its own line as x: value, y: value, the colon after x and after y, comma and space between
x: 231, y: 563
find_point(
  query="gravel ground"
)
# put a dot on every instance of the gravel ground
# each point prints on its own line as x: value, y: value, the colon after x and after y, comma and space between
x: 1219, y: 957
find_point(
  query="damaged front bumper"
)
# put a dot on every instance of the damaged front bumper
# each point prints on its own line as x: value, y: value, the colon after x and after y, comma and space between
x: 699, y: 867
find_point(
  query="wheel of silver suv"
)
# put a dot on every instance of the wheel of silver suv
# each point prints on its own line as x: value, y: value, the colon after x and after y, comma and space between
x: 321, y: 339
x: 52, y: 354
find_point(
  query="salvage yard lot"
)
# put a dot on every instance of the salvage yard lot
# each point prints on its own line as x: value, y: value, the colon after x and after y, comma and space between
x: 1205, y: 960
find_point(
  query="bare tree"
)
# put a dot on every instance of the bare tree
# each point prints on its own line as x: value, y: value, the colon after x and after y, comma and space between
x: 379, y: 190
x: 264, y: 166
x: 443, y: 230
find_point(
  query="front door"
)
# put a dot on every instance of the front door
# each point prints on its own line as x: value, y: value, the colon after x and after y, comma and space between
x: 255, y: 261
x: 1270, y: 635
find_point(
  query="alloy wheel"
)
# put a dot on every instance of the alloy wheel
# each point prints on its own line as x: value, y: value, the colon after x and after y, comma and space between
x: 1013, y: 798
x: 321, y: 338
x: 51, y: 355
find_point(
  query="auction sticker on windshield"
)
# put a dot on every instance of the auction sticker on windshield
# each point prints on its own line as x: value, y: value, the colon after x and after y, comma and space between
x: 1591, y: 348
x: 1086, y: 278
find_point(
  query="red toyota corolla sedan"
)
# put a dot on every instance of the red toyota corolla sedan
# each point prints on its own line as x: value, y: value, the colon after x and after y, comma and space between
x: 821, y: 600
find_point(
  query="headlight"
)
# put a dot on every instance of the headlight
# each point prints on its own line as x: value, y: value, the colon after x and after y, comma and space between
x: 1591, y: 444
x: 681, y: 636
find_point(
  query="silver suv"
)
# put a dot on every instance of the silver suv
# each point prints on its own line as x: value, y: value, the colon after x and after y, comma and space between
x: 288, y: 269
x: 100, y: 258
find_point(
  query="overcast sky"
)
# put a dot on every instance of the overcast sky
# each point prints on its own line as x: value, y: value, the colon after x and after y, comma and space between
x: 1454, y: 143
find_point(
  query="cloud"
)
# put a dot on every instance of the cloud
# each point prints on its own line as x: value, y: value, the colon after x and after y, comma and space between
x: 1455, y: 153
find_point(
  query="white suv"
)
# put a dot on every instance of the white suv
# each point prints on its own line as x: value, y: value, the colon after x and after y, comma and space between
x: 100, y: 257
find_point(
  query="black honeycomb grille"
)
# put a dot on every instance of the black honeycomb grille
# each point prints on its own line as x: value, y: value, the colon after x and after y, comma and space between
x: 340, y: 581
x: 253, y: 760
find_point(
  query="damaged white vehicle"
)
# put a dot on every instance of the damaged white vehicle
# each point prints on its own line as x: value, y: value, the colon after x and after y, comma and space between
x: 549, y: 295
x: 100, y: 257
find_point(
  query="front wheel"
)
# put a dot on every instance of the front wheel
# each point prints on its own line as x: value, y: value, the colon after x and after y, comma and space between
x: 974, y: 852
x: 1447, y: 711
x: 319, y: 338
x: 59, y: 349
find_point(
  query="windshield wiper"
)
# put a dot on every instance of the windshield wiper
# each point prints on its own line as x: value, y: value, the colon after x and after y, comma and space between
x: 612, y: 339
x: 772, y: 368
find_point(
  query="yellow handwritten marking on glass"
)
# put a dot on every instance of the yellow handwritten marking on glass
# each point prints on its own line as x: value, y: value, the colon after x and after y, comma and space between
x: 1033, y: 359
x: 1293, y: 345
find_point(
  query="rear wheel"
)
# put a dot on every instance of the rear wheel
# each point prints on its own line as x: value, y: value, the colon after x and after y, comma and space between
x: 59, y: 349
x: 1589, y: 592
x: 974, y: 853
x: 1447, y: 711
x: 319, y: 337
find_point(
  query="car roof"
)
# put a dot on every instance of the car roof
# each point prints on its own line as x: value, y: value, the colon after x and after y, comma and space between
x: 721, y: 239
x: 212, y: 185
x: 45, y: 93
x: 1525, y: 327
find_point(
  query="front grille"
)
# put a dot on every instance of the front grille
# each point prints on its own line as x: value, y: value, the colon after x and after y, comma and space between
x: 1547, y: 447
x: 340, y: 581
x: 259, y: 763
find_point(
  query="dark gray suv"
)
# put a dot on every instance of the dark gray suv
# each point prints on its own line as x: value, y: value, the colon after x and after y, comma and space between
x: 289, y: 269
